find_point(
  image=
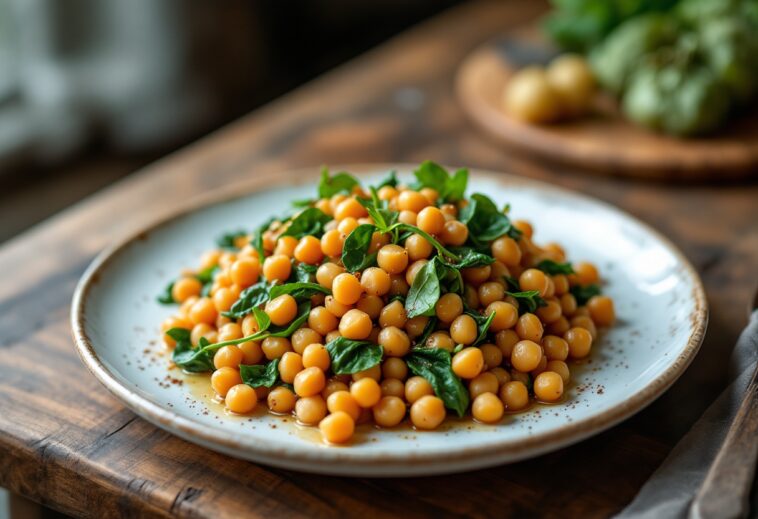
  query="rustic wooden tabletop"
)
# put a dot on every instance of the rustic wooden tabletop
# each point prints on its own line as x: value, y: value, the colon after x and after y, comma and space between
x: 67, y: 443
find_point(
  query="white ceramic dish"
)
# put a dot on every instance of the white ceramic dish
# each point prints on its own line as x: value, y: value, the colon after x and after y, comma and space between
x: 659, y: 301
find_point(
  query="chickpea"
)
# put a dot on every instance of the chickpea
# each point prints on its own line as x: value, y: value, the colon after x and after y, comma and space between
x: 601, y: 310
x: 332, y: 386
x: 374, y: 372
x: 493, y: 357
x: 277, y: 267
x: 229, y: 332
x: 228, y: 356
x: 223, y: 379
x: 290, y: 365
x: 490, y: 292
x: 487, y: 408
x: 378, y: 240
x: 506, y: 340
x: 184, y: 288
x: 326, y: 273
x: 303, y: 337
x: 251, y: 352
x: 332, y: 242
x: 394, y: 368
x: 333, y: 335
x: 346, y: 289
x: 560, y: 367
x: 507, y: 251
x: 285, y: 245
x: 548, y: 386
x: 355, y: 325
x: 477, y: 275
x: 418, y: 247
x: 430, y: 194
x: 335, y: 308
x: 483, y: 383
x: 241, y: 399
x: 415, y: 326
x: 586, y: 273
x: 501, y: 374
x: 428, y: 412
x: 370, y: 305
x: 572, y: 80
x: 282, y: 309
x: 343, y: 401
x: 347, y: 225
x: 350, y: 207
x: 244, y: 272
x: 431, y: 220
x: 526, y: 355
x: 389, y: 411
x: 309, y: 382
x: 529, y: 327
x: 441, y: 340
x: 579, y: 342
x: 203, y: 311
x: 463, y: 329
x: 412, y: 201
x: 315, y: 355
x: 583, y: 321
x: 393, y: 315
x: 454, y: 233
x: 558, y: 327
x: 366, y: 392
x: 551, y: 312
x: 568, y: 304
x: 398, y: 285
x: 534, y: 279
x: 209, y: 259
x: 281, y: 400
x: 394, y: 341
x: 506, y: 315
x: 470, y: 296
x: 223, y: 299
x: 449, y: 307
x: 387, y: 193
x: 336, y: 200
x: 408, y: 217
x: 413, y: 270
x: 310, y: 410
x: 337, y: 427
x: 514, y: 395
x: 392, y: 387
x: 392, y: 259
x: 542, y: 366
x: 468, y: 362
x: 561, y: 284
x: 375, y: 281
x: 275, y: 347
x: 416, y: 388
x: 555, y: 347
x: 203, y: 330
x: 449, y: 210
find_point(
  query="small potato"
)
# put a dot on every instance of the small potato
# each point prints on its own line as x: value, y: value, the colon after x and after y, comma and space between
x: 571, y: 79
x: 529, y: 97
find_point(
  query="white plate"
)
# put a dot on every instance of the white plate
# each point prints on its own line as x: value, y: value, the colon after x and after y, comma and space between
x: 659, y: 300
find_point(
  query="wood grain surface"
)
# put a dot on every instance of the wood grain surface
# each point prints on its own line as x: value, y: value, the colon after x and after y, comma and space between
x: 67, y: 443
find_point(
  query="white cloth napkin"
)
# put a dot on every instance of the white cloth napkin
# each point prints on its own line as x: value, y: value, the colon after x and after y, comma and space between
x: 670, y: 490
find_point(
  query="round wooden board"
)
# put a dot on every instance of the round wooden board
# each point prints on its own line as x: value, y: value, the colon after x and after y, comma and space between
x: 602, y: 141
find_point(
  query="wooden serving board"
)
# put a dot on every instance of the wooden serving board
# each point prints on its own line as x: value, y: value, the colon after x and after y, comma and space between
x: 603, y: 141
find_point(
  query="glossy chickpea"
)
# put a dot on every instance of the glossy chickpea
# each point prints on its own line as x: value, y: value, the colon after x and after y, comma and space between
x: 203, y: 311
x: 229, y: 332
x: 430, y: 220
x: 561, y: 284
x: 349, y: 207
x: 394, y: 368
x: 337, y: 428
x: 560, y: 367
x: 428, y: 412
x: 487, y: 408
x: 378, y: 240
x: 501, y: 374
x: 416, y: 388
x: 334, y: 334
x: 412, y: 201
x: 394, y: 341
x: 375, y: 281
x: 506, y: 340
x: 393, y: 315
x: 309, y: 382
x: 526, y: 355
x: 568, y: 304
x: 529, y: 327
x: 392, y: 259
x: 583, y: 321
x: 209, y: 259
x: 507, y: 251
x: 241, y: 399
x: 366, y: 392
x: 336, y: 200
x: 463, y: 329
x: 334, y: 307
x: 324, y: 206
x: 454, y: 233
x: 203, y: 330
x: 558, y: 327
x: 290, y: 365
x: 449, y: 306
x: 228, y: 356
x: 387, y: 193
x: 601, y: 310
x: 281, y: 310
x: 304, y: 337
x: 392, y: 387
x: 223, y: 299
x: 309, y: 251
x: 548, y: 386
x: 398, y: 285
x: 490, y: 292
x: 374, y: 372
x: 579, y: 342
x: 275, y: 347
x: 506, y: 315
x: 343, y: 401
x: 468, y: 362
x: 551, y: 312
x: 477, y: 275
x: 348, y: 225
x: 223, y: 379
x: 493, y: 357
x: 251, y: 352
x: 483, y: 383
x: 440, y: 340
x: 449, y: 210
x: 534, y: 279
x: 326, y: 273
x: 222, y: 321
x: 285, y: 246
x: 310, y: 410
x: 415, y: 326
x: 586, y: 273
x: 370, y: 305
x: 408, y: 217
x: 555, y: 347
x: 346, y: 289
x: 470, y: 296
x: 184, y: 288
x: 281, y: 400
x: 277, y: 267
x: 413, y: 270
x: 332, y: 242
x: 418, y: 247
x: 430, y: 194
x: 244, y: 272
x: 542, y: 366
x: 355, y: 325
x: 514, y: 395
x: 316, y: 355
x: 389, y: 411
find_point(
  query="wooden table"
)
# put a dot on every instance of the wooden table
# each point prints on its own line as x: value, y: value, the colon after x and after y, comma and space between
x: 67, y: 443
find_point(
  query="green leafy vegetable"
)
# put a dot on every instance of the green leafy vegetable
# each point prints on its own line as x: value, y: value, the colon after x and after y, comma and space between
x: 451, y: 188
x: 389, y: 180
x: 264, y: 321
x: 339, y: 183
x: 528, y: 301
x: 355, y: 255
x: 260, y: 375
x: 166, y: 297
x: 205, y: 277
x: 483, y: 323
x: 471, y: 258
x: 435, y: 366
x: 553, y: 268
x: 310, y: 222
x: 584, y: 293
x: 251, y: 297
x: 485, y: 222
x: 350, y: 356
x: 300, y: 291
x: 257, y: 240
x: 193, y: 360
x: 383, y: 217
x: 304, y: 273
x: 424, y: 292
x: 226, y: 240
x: 431, y: 324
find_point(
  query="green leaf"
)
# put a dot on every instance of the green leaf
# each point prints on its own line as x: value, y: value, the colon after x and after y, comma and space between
x: 249, y: 298
x: 226, y: 240
x: 205, y: 277
x: 302, y: 203
x: 389, y: 180
x: 349, y: 356
x: 339, y: 183
x: 383, y: 217
x: 257, y: 240
x: 304, y: 273
x: 431, y: 324
x: 310, y: 222
x: 485, y: 222
x: 424, y: 292
x: 553, y: 268
x: 528, y: 301
x: 471, y: 258
x: 166, y: 297
x: 355, y: 255
x: 483, y: 323
x: 584, y: 293
x: 435, y: 366
x: 264, y: 321
x: 260, y: 375
x: 300, y: 291
x: 193, y: 360
x: 451, y: 188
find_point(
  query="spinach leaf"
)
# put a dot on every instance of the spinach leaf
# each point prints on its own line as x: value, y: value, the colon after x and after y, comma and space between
x: 435, y: 366
x: 206, y: 275
x: 483, y: 323
x: 355, y: 255
x: 304, y: 273
x: 300, y: 291
x: 349, y: 356
x: 528, y: 301
x: 389, y: 180
x: 226, y: 240
x: 383, y: 217
x: 512, y: 283
x: 302, y: 203
x: 193, y: 360
x: 471, y: 257
x: 310, y: 222
x: 257, y: 240
x: 264, y: 321
x: 553, y: 268
x: 166, y: 297
x: 485, y: 222
x: 259, y: 375
x: 451, y: 188
x: 584, y: 293
x: 431, y: 324
x: 339, y: 183
x: 424, y: 292
x: 253, y: 296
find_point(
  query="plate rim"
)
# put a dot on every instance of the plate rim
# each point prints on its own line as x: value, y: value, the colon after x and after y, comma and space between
x: 465, y: 458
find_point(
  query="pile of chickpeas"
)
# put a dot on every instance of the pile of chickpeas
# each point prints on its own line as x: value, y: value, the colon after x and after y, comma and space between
x: 525, y: 358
